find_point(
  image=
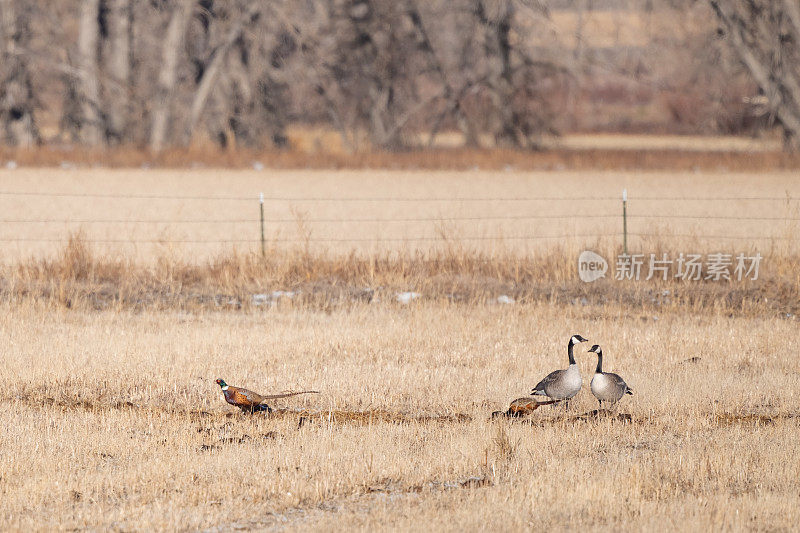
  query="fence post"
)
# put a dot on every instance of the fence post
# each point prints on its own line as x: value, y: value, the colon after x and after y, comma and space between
x: 625, y: 221
x: 261, y: 204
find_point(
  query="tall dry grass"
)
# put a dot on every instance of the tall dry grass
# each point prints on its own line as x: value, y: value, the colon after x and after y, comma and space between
x: 77, y: 277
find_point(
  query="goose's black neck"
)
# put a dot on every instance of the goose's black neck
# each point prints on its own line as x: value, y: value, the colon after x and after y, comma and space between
x: 569, y: 351
x: 599, y: 369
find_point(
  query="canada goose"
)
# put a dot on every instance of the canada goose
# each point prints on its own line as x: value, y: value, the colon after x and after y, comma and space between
x: 562, y: 384
x: 607, y: 387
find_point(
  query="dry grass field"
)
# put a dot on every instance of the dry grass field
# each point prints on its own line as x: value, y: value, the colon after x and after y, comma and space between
x: 113, y: 421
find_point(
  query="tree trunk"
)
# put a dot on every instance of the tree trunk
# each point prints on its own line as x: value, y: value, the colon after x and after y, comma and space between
x: 88, y: 35
x: 119, y: 70
x: 498, y: 48
x: 168, y: 75
x: 451, y: 96
x: 212, y: 71
x: 16, y: 89
x: 495, y: 18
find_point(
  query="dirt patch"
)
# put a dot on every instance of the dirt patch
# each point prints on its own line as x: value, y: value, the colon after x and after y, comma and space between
x: 302, y: 416
x: 72, y: 404
x: 396, y: 487
x: 365, y: 417
x: 241, y: 439
x: 524, y: 407
x: 521, y: 408
x: 757, y: 419
x: 590, y: 416
x: 603, y: 414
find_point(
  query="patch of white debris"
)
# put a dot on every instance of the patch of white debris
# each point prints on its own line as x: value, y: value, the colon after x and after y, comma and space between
x: 272, y: 297
x: 407, y: 297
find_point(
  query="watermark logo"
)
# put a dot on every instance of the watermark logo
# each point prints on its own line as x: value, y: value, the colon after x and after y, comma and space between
x: 688, y: 267
x: 591, y: 266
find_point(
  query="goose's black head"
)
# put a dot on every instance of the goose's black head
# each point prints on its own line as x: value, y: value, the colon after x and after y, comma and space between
x: 576, y: 339
x: 596, y: 349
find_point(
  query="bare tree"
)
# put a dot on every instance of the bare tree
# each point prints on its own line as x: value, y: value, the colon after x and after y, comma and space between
x: 373, y: 69
x: 304, y: 31
x: 17, y: 99
x: 167, y: 77
x: 495, y: 19
x: 451, y: 95
x: 88, y: 38
x: 514, y: 75
x: 766, y: 36
x: 212, y: 70
x: 117, y: 91
x: 394, y: 73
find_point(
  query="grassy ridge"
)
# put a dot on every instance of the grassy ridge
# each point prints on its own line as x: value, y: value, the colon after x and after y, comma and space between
x: 76, y: 277
x: 425, y: 159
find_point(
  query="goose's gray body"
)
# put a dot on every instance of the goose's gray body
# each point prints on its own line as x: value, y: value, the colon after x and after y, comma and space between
x: 607, y: 386
x: 562, y: 384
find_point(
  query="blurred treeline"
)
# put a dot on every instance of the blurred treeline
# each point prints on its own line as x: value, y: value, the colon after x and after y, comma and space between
x: 390, y: 74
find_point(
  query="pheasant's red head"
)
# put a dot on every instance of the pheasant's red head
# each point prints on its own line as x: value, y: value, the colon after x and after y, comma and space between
x: 221, y: 383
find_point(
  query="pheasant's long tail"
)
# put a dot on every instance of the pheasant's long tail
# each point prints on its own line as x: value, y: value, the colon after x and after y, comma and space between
x: 288, y: 394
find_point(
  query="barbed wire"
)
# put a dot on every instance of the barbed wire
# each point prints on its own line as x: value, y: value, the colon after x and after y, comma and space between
x: 381, y: 220
x: 712, y: 217
x: 300, y: 219
x: 255, y: 198
x: 284, y: 220
x: 725, y: 237
x: 498, y: 238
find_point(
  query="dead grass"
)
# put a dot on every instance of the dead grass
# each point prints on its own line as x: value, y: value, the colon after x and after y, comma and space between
x: 77, y: 279
x: 582, y: 152
x: 114, y: 420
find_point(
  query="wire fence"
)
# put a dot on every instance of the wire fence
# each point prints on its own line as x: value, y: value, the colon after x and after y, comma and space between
x: 768, y: 218
x: 292, y: 198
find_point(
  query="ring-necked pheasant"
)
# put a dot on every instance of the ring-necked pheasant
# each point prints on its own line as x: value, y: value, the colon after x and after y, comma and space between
x: 249, y: 401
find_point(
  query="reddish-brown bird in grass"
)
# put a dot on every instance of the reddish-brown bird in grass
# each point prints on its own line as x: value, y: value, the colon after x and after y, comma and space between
x: 522, y: 407
x: 249, y: 401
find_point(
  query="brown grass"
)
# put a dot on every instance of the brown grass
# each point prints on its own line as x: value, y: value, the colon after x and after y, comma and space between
x: 113, y: 420
x: 577, y: 155
x: 76, y: 278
